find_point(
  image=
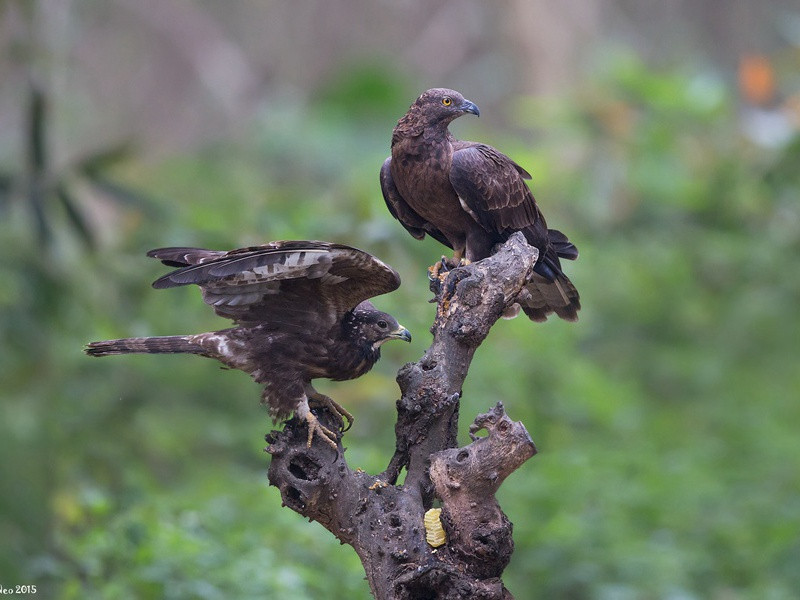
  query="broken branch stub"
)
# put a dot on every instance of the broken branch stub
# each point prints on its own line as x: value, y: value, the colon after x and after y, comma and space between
x: 466, y: 479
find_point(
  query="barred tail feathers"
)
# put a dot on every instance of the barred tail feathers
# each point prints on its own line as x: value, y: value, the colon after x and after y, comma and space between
x: 542, y: 297
x: 170, y: 344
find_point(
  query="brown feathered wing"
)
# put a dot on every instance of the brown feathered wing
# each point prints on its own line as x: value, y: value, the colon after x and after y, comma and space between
x: 304, y: 284
x: 492, y: 190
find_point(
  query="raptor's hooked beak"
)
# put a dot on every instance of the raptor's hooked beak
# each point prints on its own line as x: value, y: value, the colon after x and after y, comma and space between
x: 401, y: 333
x: 470, y: 107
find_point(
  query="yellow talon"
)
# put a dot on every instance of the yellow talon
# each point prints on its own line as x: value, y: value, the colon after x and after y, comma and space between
x: 315, y: 426
x: 337, y: 409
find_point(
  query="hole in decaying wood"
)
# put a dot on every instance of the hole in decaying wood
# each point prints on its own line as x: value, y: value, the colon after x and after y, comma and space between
x: 294, y: 497
x: 422, y: 591
x: 427, y: 365
x: 302, y: 467
x: 395, y: 521
x: 462, y: 456
x: 481, y: 538
x: 474, y: 433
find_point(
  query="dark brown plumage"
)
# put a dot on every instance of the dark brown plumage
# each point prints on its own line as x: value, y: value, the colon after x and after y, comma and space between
x: 469, y: 197
x: 301, y: 311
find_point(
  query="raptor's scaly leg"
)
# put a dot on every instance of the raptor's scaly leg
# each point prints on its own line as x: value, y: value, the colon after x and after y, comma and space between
x: 337, y: 409
x: 326, y: 434
x: 438, y: 269
x: 314, y: 426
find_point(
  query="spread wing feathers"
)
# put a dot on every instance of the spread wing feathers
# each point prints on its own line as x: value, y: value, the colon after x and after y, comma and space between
x: 287, y: 283
x: 543, y: 296
x: 400, y: 210
x: 492, y: 189
x: 183, y: 257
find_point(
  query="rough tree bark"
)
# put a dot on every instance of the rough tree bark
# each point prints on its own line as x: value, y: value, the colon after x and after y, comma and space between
x: 384, y: 521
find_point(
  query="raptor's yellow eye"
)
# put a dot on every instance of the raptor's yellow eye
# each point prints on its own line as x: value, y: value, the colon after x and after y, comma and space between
x: 446, y: 101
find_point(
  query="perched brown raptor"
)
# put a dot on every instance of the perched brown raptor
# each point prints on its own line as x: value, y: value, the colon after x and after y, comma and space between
x: 301, y: 311
x: 469, y: 197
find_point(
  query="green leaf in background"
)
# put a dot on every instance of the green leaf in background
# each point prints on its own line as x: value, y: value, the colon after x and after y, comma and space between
x: 98, y: 163
x: 74, y: 215
x: 124, y: 194
x: 6, y: 188
x: 37, y: 131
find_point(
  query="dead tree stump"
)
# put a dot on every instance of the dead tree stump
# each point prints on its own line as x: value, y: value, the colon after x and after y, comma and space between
x: 384, y: 521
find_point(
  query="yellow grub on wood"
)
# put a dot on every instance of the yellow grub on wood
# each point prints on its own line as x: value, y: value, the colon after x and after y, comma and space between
x: 434, y: 533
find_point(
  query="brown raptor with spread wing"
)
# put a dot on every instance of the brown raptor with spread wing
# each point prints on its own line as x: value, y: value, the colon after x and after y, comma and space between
x: 301, y: 311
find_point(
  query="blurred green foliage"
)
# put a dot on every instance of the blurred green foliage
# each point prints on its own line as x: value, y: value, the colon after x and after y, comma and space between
x: 666, y: 419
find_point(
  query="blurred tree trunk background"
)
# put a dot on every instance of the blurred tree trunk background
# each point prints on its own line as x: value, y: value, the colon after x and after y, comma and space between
x: 172, y: 73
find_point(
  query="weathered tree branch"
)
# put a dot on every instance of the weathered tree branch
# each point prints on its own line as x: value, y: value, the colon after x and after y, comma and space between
x: 466, y: 480
x: 384, y: 521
